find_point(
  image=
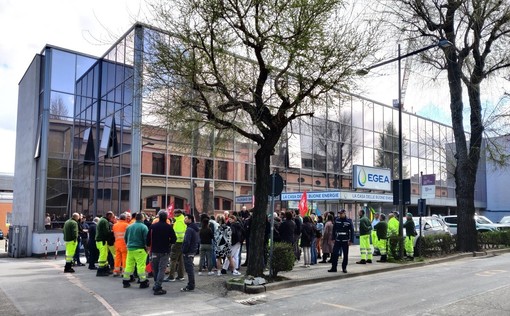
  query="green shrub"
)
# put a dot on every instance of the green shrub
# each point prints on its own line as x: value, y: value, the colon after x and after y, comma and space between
x: 283, y: 258
x: 494, y: 239
x: 438, y: 244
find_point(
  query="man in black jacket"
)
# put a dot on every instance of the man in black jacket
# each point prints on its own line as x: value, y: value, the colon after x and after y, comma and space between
x: 189, y: 250
x: 161, y: 236
x: 94, y: 253
x: 343, y: 234
x: 287, y: 228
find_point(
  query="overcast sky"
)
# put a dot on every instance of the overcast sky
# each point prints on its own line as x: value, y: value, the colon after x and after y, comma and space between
x: 92, y: 26
x: 27, y: 25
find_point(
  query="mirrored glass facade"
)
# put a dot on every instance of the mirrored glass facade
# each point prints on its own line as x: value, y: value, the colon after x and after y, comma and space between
x: 92, y: 166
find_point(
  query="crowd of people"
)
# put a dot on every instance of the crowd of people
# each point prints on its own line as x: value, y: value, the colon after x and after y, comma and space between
x: 137, y: 246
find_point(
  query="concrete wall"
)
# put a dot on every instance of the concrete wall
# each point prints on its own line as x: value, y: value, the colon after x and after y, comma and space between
x: 26, y: 141
x: 498, y: 182
x: 47, y: 242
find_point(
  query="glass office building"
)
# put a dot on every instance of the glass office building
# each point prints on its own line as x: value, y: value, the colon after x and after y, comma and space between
x: 84, y: 146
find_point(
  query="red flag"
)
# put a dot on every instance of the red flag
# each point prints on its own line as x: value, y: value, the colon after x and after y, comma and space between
x: 303, y: 205
x: 170, y: 210
x: 187, y: 208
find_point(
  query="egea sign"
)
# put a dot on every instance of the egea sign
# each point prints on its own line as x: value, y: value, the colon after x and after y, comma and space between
x: 370, y: 178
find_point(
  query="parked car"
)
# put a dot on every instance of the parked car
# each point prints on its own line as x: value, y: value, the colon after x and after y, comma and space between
x: 483, y: 224
x: 1, y: 234
x: 430, y: 225
x: 505, y: 220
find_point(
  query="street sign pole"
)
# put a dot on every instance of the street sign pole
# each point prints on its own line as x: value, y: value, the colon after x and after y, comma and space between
x: 272, y: 223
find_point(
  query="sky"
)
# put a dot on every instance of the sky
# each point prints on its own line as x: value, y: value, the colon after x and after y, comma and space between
x: 28, y: 25
x: 92, y: 26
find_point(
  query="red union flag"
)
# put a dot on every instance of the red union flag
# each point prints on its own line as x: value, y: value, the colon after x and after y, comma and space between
x: 170, y: 210
x: 303, y: 205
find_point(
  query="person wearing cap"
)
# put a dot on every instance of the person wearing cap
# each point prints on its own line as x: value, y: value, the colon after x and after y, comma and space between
x: 176, y: 259
x: 381, y: 229
x: 410, y: 228
x: 343, y: 234
x: 364, y: 238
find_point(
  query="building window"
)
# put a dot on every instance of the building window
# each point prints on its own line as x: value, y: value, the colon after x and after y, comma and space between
x: 124, y: 195
x: 175, y: 165
x: 178, y: 203
x: 227, y: 205
x: 216, y: 203
x: 222, y: 170
x: 247, y: 172
x: 158, y: 163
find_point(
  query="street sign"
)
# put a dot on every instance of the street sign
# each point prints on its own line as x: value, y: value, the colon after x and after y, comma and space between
x: 278, y: 184
x: 406, y: 183
x: 422, y: 207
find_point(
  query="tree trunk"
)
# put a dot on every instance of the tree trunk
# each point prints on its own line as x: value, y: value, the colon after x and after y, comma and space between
x: 259, y: 215
x: 465, y: 170
x: 466, y: 175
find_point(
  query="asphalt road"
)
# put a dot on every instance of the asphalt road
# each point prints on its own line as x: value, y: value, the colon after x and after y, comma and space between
x: 474, y: 286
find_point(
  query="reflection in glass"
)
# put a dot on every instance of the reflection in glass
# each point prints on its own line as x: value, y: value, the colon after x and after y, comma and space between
x: 63, y: 69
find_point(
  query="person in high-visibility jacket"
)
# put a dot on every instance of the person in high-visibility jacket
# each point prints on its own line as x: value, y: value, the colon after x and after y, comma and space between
x: 119, y: 229
x: 136, y: 241
x: 410, y: 228
x: 374, y: 234
x: 381, y: 231
x: 176, y: 259
x: 103, y: 232
x: 393, y: 228
x: 364, y: 238
x: 71, y: 240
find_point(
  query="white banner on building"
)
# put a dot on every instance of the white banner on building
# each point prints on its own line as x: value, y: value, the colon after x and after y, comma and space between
x: 294, y: 150
x: 324, y: 195
x: 428, y: 186
x: 366, y: 197
x: 369, y: 178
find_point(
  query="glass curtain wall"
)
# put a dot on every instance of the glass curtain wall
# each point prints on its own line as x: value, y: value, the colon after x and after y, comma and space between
x: 102, y: 134
x: 65, y: 68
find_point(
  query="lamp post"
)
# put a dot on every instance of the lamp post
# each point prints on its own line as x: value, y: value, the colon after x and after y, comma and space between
x: 443, y: 43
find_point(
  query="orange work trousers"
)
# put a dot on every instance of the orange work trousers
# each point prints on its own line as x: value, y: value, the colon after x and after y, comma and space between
x: 120, y: 259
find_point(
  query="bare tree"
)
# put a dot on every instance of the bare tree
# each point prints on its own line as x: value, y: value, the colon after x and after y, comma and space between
x: 337, y: 154
x: 387, y: 152
x: 479, y: 31
x: 58, y: 110
x: 253, y: 67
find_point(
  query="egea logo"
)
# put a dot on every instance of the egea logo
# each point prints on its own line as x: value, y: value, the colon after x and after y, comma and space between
x: 362, y: 177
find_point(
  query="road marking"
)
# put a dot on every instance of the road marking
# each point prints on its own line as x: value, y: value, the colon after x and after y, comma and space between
x: 74, y: 280
x: 161, y: 313
x: 346, y: 307
x: 490, y: 273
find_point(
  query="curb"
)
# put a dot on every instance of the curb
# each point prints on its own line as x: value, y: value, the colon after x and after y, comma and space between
x: 256, y: 289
